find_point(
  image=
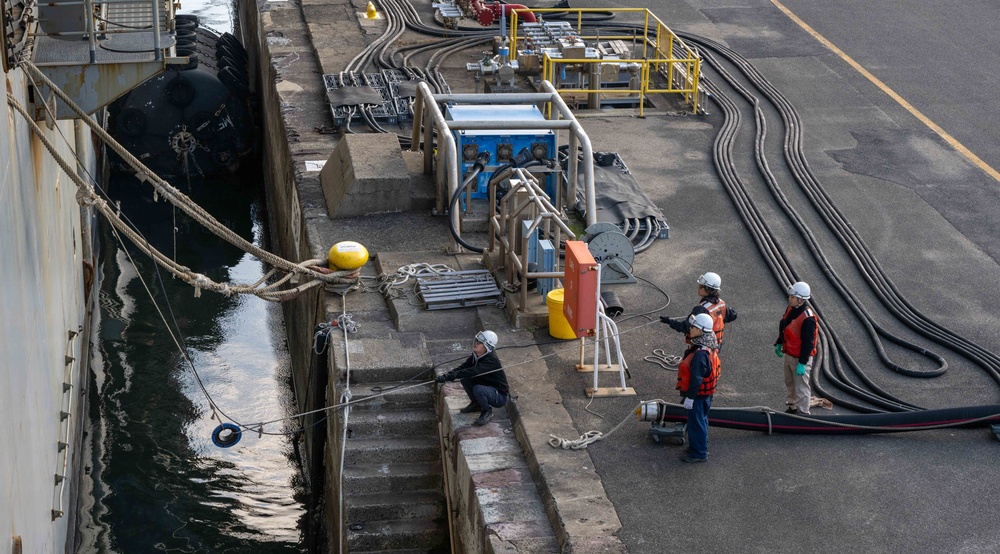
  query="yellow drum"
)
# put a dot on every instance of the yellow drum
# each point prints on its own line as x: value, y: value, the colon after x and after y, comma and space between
x: 558, y: 324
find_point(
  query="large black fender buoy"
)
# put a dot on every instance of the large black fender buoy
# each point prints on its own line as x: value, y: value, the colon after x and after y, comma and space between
x: 191, y: 120
x: 226, y: 435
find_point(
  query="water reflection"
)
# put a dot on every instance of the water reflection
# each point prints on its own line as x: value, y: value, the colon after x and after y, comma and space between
x: 157, y: 481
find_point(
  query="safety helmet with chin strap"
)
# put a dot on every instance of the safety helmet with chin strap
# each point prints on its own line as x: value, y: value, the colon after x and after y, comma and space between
x: 800, y: 290
x: 487, y: 339
x: 710, y: 281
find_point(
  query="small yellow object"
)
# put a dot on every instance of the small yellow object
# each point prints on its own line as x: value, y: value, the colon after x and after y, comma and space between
x: 370, y: 12
x: 347, y: 255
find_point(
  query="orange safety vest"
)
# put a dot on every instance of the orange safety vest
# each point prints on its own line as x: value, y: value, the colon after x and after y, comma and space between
x: 718, y: 313
x: 708, y: 384
x: 793, y: 333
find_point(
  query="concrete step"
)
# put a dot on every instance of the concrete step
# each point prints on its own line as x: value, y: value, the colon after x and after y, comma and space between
x: 392, y: 396
x: 392, y: 422
x: 403, y: 477
x: 381, y: 360
x: 392, y: 450
x: 393, y: 534
x: 426, y: 505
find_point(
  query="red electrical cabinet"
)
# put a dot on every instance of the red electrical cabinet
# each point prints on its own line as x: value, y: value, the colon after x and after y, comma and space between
x: 580, y: 282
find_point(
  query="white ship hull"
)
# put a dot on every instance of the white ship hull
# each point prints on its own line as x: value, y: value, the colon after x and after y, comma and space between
x: 46, y: 260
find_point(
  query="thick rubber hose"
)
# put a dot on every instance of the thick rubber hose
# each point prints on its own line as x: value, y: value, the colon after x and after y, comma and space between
x: 852, y: 424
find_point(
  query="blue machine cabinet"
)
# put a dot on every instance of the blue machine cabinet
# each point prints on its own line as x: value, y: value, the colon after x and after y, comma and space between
x: 501, y: 144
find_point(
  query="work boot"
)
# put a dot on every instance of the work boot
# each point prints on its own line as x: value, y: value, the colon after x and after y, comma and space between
x: 484, y: 417
x: 692, y: 460
x: 792, y: 410
x: 472, y: 407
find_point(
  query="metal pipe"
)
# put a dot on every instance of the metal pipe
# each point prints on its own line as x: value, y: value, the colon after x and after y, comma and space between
x: 447, y: 157
x: 545, y: 124
x: 588, y: 151
x: 499, y: 98
x: 88, y: 7
x: 158, y: 56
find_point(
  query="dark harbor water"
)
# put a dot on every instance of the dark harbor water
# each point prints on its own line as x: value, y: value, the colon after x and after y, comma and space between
x: 155, y: 482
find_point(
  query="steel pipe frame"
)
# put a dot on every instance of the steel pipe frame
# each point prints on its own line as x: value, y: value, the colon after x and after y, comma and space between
x: 448, y: 172
x: 543, y: 211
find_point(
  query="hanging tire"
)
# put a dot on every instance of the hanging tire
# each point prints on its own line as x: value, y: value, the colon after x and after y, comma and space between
x: 187, y: 17
x: 225, y: 62
x: 180, y: 92
x: 223, y: 49
x: 186, y: 37
x: 131, y: 122
x: 233, y: 43
x: 185, y: 25
x: 192, y: 56
x: 236, y: 82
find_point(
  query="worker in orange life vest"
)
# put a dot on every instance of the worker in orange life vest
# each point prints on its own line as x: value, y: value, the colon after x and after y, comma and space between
x: 709, y: 285
x: 697, y: 377
x: 798, y: 334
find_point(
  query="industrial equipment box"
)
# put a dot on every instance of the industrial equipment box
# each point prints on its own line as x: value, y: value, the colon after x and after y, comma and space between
x: 580, y: 281
x: 502, y: 144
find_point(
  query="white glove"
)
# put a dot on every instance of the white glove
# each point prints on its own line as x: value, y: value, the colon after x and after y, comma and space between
x: 688, y: 403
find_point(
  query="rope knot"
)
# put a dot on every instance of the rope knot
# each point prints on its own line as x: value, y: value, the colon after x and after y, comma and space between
x: 200, y: 281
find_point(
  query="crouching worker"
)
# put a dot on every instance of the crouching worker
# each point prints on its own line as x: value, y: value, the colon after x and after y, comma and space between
x: 482, y: 378
x: 697, y: 377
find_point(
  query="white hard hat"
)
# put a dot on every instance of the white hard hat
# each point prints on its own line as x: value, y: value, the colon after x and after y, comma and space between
x: 710, y: 281
x: 704, y: 322
x: 799, y: 290
x: 487, y: 338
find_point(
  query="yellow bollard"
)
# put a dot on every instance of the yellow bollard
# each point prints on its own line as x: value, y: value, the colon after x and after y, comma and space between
x: 370, y: 12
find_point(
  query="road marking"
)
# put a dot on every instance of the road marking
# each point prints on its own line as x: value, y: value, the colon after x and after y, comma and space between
x: 892, y: 94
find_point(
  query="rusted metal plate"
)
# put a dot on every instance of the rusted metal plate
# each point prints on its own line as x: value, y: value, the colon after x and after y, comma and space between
x: 94, y: 86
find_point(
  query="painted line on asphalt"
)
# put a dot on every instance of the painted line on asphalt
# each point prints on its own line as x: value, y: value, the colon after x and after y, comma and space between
x: 892, y: 94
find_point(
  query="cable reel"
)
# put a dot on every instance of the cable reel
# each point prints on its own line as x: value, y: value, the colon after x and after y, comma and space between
x: 613, y: 250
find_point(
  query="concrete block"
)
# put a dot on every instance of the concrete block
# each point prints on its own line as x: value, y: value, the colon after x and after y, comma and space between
x: 364, y: 175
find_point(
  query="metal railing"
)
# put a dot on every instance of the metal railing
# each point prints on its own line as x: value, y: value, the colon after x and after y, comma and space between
x: 659, y: 43
x: 525, y: 200
x: 95, y: 20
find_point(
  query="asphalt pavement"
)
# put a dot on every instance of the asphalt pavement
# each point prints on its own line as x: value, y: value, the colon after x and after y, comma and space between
x: 926, y: 211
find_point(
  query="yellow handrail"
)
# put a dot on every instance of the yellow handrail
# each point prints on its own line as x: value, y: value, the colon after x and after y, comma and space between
x: 682, y: 73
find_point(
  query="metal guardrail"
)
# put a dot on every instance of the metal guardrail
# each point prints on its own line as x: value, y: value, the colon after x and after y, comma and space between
x: 525, y: 200
x: 658, y: 42
x: 427, y: 117
x: 96, y: 20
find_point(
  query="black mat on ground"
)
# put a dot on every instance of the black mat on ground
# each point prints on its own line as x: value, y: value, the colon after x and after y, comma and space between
x: 618, y: 194
x: 353, y: 96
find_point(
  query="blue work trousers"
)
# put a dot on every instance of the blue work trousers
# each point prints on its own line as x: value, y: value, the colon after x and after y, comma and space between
x: 697, y: 427
x: 485, y: 395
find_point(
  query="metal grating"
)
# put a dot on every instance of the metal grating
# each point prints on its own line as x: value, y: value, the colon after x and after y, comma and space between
x: 132, y: 47
x: 459, y: 289
x: 134, y: 15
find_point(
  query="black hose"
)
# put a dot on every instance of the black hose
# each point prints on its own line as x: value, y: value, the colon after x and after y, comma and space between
x: 481, y: 160
x: 768, y: 421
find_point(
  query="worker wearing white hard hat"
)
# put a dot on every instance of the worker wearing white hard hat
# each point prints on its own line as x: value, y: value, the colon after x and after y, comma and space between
x: 697, y: 378
x: 798, y: 334
x: 709, y: 285
x: 482, y: 377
